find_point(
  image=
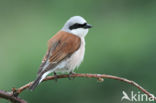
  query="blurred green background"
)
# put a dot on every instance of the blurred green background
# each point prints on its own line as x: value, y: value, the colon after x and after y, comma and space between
x: 122, y: 42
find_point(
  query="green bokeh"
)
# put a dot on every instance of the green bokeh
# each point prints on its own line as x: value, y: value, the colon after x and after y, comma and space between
x: 122, y: 42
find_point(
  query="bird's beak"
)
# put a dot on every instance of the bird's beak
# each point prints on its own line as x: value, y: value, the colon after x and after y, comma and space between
x: 88, y: 26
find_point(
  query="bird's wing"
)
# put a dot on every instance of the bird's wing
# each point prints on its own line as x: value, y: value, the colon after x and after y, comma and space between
x: 46, y: 57
x: 60, y: 46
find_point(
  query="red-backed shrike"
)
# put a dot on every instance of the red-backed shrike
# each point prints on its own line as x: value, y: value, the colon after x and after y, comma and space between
x: 65, y: 49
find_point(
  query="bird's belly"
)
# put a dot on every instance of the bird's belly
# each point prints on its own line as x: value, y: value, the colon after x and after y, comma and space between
x: 74, y: 61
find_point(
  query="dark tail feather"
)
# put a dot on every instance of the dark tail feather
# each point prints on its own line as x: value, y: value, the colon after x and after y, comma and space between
x: 35, y: 83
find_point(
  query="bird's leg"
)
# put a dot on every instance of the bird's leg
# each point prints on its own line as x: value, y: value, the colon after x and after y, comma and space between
x: 55, y: 75
x: 69, y: 75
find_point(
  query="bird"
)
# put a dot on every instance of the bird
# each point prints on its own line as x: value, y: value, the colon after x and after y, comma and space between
x: 65, y: 51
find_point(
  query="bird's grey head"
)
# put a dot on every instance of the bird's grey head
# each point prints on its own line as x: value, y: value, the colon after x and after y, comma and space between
x: 77, y: 25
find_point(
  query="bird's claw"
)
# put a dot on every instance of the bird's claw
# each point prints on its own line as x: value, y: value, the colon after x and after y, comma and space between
x: 55, y: 75
x: 70, y: 75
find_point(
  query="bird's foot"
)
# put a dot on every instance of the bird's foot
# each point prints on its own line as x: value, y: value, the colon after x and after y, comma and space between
x: 55, y: 75
x: 70, y: 75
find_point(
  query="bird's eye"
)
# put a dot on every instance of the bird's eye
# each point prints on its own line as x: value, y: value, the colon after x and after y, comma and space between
x: 84, y: 24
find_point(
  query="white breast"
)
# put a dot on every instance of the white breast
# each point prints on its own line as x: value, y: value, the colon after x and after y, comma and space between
x: 78, y: 56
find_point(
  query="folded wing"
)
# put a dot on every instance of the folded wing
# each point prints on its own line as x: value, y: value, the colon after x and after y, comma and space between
x: 60, y: 47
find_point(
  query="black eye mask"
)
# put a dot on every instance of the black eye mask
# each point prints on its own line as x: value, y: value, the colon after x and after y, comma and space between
x: 76, y: 25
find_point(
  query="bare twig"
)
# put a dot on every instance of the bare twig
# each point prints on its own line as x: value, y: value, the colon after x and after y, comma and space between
x: 97, y: 76
x: 10, y: 97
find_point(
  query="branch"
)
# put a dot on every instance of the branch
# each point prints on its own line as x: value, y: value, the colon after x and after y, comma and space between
x: 10, y: 97
x: 97, y: 76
